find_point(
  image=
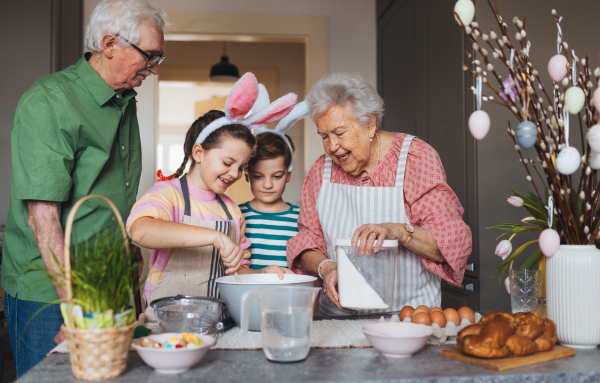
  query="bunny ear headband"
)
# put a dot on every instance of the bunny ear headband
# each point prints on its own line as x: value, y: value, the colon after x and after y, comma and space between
x: 240, y: 101
x: 299, y: 111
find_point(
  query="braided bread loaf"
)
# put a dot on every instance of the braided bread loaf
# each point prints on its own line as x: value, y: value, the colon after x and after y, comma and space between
x: 500, y: 334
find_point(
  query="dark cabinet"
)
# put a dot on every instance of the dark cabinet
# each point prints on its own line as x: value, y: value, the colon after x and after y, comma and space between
x: 420, y: 51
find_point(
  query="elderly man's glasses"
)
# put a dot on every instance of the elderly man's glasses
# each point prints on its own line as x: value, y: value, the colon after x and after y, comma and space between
x: 152, y: 59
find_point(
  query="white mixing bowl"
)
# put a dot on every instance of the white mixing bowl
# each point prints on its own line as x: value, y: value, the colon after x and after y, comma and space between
x: 231, y: 292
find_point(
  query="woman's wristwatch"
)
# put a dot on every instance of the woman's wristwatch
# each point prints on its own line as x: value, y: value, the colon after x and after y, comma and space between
x: 410, y: 230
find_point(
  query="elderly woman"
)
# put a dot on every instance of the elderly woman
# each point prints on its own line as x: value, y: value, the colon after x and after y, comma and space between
x: 373, y: 186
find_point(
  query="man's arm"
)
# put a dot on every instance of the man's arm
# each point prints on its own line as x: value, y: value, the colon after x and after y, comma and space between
x: 44, y: 220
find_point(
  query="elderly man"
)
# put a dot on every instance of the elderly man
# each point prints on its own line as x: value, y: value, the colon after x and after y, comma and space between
x: 75, y: 133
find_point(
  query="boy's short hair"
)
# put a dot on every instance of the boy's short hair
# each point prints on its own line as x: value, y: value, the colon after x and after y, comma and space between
x: 270, y: 145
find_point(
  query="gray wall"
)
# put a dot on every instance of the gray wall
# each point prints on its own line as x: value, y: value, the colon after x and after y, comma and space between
x: 39, y: 37
x: 498, y: 167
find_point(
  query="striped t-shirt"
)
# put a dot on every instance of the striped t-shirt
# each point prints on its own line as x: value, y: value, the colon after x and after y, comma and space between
x: 268, y: 234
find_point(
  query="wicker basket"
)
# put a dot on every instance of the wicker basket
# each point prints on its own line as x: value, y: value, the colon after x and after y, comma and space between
x: 96, y: 354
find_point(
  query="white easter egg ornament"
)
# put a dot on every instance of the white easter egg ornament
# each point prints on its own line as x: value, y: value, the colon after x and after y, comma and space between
x: 549, y: 242
x: 568, y: 160
x: 594, y: 160
x: 593, y: 137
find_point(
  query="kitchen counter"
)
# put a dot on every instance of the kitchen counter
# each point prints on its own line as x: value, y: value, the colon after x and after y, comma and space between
x: 337, y: 365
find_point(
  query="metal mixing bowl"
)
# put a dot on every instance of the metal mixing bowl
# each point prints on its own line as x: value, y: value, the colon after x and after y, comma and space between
x: 189, y: 314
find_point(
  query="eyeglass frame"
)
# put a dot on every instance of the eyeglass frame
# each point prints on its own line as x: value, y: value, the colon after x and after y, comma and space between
x: 145, y: 54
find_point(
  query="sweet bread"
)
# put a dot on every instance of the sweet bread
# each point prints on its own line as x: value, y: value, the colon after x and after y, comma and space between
x: 500, y: 334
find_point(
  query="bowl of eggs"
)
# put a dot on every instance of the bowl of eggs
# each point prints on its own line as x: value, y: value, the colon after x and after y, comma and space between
x: 445, y: 323
x: 397, y: 339
x: 172, y: 353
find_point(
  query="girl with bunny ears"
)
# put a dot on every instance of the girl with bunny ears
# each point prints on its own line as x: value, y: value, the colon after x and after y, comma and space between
x: 180, y: 219
x: 270, y: 221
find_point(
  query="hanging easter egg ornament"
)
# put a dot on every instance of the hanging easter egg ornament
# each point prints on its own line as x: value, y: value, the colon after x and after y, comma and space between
x: 549, y: 242
x: 593, y: 137
x: 479, y: 124
x: 526, y: 134
x: 479, y: 121
x: 465, y: 9
x: 558, y: 67
x: 597, y: 99
x: 568, y: 160
x: 574, y: 99
x: 594, y: 160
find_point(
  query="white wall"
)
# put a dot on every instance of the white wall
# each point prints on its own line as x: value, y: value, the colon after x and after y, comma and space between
x: 352, y: 23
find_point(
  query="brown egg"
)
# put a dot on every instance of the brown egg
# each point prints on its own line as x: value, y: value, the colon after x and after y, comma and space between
x: 421, y: 318
x: 407, y: 311
x: 438, y: 317
x: 423, y: 307
x: 421, y: 310
x: 452, y: 316
x: 436, y: 309
x: 466, y: 312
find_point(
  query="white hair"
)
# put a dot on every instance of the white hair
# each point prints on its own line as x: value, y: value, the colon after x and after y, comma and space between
x: 122, y: 17
x: 345, y: 89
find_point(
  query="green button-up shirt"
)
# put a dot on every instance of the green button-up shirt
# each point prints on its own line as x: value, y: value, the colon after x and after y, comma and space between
x: 72, y: 136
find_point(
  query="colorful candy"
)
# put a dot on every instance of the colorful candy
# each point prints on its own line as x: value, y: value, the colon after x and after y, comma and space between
x: 187, y: 340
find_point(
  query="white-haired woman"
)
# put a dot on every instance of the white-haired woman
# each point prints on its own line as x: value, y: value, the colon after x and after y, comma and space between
x: 351, y: 191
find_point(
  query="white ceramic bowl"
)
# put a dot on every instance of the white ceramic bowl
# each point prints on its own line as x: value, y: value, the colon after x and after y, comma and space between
x: 172, y: 361
x: 397, y: 339
x: 231, y: 292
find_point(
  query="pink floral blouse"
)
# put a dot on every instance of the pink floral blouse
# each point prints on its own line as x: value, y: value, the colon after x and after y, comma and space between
x: 428, y: 200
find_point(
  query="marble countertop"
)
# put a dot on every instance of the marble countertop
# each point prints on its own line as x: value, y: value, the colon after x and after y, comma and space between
x: 337, y: 365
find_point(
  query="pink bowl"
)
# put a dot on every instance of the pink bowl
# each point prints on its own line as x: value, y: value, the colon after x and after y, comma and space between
x: 397, y: 339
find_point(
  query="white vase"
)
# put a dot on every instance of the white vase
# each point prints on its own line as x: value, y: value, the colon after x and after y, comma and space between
x: 573, y: 295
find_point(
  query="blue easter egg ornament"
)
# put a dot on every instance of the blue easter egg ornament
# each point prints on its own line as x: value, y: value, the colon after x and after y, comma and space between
x: 526, y: 134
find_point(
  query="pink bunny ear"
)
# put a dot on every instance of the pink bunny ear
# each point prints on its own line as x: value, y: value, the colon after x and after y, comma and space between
x: 242, y: 97
x: 275, y: 112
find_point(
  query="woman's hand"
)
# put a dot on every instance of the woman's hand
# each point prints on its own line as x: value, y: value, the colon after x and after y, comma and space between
x: 280, y: 271
x: 330, y: 280
x: 231, y: 253
x: 370, y: 237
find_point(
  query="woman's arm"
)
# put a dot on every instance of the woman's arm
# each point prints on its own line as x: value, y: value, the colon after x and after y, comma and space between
x: 310, y: 261
x: 422, y: 242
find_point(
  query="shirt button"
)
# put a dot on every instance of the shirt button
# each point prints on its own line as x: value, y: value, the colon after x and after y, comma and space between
x: 123, y: 147
x: 127, y: 184
x: 118, y: 96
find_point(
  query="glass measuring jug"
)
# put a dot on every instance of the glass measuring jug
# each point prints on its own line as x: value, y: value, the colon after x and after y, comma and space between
x: 285, y: 320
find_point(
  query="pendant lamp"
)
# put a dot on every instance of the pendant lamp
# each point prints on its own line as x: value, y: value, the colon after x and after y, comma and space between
x: 224, y: 71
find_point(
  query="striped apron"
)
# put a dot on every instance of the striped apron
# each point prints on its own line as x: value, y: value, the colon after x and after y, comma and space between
x: 344, y: 208
x: 193, y: 271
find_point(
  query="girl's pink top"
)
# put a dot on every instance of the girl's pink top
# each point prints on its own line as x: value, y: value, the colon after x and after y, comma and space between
x: 428, y: 200
x: 165, y: 201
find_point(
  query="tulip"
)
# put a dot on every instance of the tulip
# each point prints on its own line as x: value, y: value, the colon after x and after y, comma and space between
x: 507, y: 284
x: 527, y: 219
x: 504, y: 249
x: 515, y: 201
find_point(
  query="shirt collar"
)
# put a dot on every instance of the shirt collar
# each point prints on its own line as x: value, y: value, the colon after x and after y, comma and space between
x: 95, y: 84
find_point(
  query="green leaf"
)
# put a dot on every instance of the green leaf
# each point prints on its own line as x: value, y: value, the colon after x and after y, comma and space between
x: 533, y: 260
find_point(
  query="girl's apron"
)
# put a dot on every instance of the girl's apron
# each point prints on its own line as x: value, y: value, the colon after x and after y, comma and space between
x: 193, y: 271
x: 344, y: 208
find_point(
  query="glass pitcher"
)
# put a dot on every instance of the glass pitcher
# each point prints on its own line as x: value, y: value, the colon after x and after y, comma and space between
x: 285, y: 320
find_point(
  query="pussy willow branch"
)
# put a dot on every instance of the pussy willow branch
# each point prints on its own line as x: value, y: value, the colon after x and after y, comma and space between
x: 523, y: 77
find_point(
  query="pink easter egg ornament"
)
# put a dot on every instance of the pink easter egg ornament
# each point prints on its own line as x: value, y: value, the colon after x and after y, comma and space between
x: 479, y: 124
x: 557, y: 67
x: 597, y: 99
x: 549, y: 242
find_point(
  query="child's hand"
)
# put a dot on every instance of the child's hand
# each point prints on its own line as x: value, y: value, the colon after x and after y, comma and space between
x: 280, y: 271
x: 231, y: 253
